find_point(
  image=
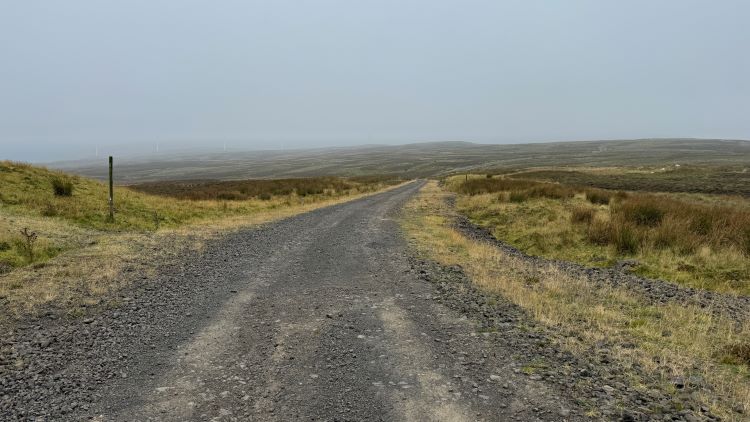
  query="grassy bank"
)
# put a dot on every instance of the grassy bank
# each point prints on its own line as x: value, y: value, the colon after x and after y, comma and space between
x: 78, y: 255
x: 669, y: 341
x: 701, y: 241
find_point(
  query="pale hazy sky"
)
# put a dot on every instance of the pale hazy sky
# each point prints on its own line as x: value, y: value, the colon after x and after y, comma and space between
x: 261, y: 74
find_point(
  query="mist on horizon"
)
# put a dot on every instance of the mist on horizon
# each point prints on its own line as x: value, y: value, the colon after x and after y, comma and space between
x: 81, y: 76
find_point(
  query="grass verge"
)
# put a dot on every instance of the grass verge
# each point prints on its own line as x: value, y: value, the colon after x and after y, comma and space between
x: 670, y: 342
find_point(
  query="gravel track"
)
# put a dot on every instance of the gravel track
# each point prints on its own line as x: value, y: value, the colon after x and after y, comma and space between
x: 322, y: 316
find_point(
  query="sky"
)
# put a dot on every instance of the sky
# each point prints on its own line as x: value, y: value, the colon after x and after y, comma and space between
x: 78, y: 76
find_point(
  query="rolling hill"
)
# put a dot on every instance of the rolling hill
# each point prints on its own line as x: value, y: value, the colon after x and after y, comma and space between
x: 417, y: 160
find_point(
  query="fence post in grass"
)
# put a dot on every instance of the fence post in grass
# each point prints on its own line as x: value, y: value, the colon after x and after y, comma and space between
x: 111, y: 193
x: 467, y: 177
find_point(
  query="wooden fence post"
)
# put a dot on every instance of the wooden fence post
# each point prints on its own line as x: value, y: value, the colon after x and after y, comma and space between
x: 111, y: 193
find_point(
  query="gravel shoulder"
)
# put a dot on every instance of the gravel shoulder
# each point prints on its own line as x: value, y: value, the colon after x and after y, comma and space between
x: 323, y: 316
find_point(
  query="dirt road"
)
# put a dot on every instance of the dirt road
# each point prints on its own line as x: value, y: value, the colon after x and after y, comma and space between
x: 323, y: 316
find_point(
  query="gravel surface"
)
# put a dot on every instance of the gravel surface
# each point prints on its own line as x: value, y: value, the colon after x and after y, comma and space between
x: 322, y: 316
x: 654, y: 291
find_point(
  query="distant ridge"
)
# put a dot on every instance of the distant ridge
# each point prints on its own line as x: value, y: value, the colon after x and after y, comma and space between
x: 418, y: 159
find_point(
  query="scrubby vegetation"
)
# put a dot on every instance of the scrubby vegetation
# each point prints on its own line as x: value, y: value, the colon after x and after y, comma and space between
x: 62, y: 186
x: 513, y: 190
x: 685, y: 178
x: 241, y: 190
x: 662, y: 222
x: 701, y: 241
x: 582, y: 215
x: 478, y: 186
x: 18, y: 248
x: 601, y: 196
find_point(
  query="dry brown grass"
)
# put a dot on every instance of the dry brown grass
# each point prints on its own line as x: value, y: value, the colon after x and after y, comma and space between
x: 652, y: 223
x: 477, y: 186
x: 665, y: 222
x: 581, y: 215
x: 697, y: 342
x: 264, y: 189
x: 701, y: 241
x: 513, y: 190
x: 602, y: 196
x: 638, y: 219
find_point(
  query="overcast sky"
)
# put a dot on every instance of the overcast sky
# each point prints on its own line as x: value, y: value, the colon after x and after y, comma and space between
x: 266, y: 74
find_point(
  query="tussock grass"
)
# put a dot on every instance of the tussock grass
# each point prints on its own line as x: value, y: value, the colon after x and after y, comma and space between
x: 513, y: 190
x: 666, y: 222
x: 601, y: 196
x: 716, y: 179
x: 702, y: 242
x: 552, y: 191
x: 62, y: 186
x: 582, y: 215
x: 240, y: 190
x: 667, y: 340
x: 477, y: 186
x: 737, y: 354
x: 598, y: 232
